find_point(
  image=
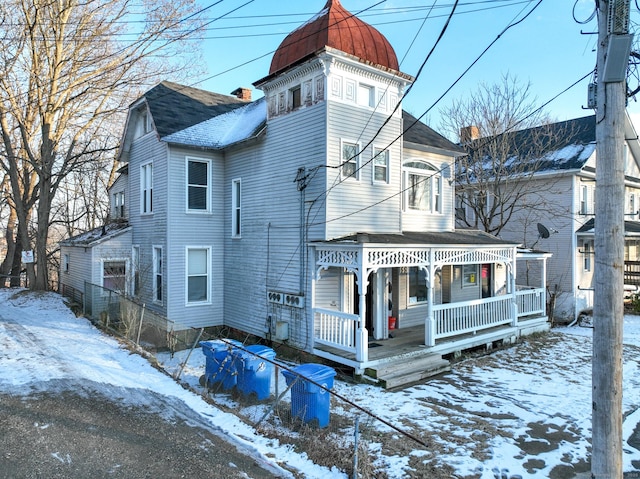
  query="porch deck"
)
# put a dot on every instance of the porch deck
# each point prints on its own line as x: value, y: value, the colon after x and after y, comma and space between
x: 404, y: 358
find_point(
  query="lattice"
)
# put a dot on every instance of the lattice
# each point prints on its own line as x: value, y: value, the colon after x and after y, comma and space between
x: 396, y: 258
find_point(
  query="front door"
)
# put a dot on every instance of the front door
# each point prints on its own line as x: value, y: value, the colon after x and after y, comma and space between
x: 486, y: 281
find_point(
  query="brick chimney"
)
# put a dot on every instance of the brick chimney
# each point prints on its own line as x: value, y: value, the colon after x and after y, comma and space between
x: 469, y: 133
x: 242, y: 93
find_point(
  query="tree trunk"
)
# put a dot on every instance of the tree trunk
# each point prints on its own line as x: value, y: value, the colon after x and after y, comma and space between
x: 10, y: 241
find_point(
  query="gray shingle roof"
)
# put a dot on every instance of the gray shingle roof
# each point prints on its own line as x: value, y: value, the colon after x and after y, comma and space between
x: 175, y: 107
x: 421, y: 134
x: 457, y: 237
x: 630, y: 227
x: 565, y: 145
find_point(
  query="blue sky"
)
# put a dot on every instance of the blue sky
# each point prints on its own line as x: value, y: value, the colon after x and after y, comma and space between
x: 548, y: 48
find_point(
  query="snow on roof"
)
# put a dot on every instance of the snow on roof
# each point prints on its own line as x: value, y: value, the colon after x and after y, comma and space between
x: 223, y: 130
x: 101, y: 233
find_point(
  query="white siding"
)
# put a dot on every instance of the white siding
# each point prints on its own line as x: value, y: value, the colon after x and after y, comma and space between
x: 355, y: 205
x: 413, y: 220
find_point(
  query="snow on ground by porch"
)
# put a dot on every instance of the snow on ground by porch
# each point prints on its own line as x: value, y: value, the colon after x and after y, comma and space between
x: 526, y: 408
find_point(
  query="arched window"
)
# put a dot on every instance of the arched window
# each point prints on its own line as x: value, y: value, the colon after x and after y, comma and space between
x: 422, y: 187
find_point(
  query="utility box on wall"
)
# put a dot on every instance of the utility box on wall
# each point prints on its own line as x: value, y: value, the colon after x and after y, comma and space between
x: 282, y: 331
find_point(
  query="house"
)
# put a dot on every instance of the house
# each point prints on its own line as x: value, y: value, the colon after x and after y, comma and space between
x: 558, y: 215
x: 315, y: 213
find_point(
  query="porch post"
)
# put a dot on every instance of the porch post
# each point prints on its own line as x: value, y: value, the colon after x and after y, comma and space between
x: 430, y: 326
x: 362, y: 339
x: 514, y: 296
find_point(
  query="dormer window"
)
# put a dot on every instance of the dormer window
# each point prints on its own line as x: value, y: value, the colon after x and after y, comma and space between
x: 143, y: 123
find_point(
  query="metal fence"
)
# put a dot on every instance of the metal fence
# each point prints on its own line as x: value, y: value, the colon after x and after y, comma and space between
x: 292, y: 402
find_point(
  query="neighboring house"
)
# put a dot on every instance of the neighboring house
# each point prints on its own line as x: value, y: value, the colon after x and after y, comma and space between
x: 561, y: 214
x: 313, y: 214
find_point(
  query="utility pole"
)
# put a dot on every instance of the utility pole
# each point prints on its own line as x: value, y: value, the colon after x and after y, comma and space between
x: 614, y: 45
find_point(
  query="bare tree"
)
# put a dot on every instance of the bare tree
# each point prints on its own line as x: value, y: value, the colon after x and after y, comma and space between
x: 68, y: 69
x: 499, y: 125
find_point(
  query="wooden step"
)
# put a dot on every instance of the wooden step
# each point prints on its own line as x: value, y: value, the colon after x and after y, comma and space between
x: 410, y: 370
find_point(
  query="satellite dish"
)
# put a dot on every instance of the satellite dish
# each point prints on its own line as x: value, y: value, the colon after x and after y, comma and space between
x: 543, y: 231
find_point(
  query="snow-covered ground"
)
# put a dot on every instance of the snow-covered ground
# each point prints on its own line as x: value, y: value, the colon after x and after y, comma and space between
x: 525, y: 409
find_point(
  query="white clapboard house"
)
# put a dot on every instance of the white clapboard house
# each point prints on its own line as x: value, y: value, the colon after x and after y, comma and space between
x: 309, y: 216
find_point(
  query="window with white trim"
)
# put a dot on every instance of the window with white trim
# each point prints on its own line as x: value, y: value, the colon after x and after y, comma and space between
x: 380, y: 165
x: 118, y: 204
x: 366, y: 95
x: 632, y: 204
x: 198, y: 185
x: 417, y: 285
x: 157, y: 274
x: 469, y: 275
x: 350, y: 160
x: 587, y: 251
x: 135, y: 277
x: 146, y: 188
x: 422, y: 187
x: 198, y: 275
x: 295, y: 97
x: 114, y: 275
x: 65, y: 263
x: 236, y: 208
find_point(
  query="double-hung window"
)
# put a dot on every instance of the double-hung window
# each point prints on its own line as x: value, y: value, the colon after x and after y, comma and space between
x: 197, y: 185
x: 423, y: 187
x: 350, y: 160
x: 146, y: 188
x: 198, y: 275
x: 157, y: 274
x: 380, y: 165
x: 417, y: 285
x: 236, y: 208
x: 114, y: 275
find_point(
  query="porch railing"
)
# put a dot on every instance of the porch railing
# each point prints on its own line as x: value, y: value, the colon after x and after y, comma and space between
x: 335, y: 329
x: 530, y: 301
x: 471, y: 316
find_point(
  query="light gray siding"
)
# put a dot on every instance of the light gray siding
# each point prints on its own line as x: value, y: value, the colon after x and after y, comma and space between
x: 80, y: 266
x: 194, y: 229
x: 270, y: 254
x: 149, y: 230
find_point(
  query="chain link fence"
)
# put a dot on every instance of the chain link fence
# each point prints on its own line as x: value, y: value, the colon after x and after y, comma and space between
x: 290, y: 401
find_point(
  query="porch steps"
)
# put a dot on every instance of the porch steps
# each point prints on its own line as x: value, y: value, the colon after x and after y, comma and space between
x: 398, y: 374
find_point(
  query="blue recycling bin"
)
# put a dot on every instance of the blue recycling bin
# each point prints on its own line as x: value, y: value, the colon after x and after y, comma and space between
x: 254, y: 372
x: 220, y: 366
x: 308, y: 401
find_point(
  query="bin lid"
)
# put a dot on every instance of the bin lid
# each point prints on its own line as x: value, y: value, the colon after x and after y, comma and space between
x: 257, y: 349
x: 218, y: 344
x: 313, y: 371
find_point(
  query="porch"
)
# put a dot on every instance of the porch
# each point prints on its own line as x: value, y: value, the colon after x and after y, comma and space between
x: 415, y: 350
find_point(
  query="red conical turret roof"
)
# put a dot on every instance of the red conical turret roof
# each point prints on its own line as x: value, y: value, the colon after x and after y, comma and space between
x: 334, y: 27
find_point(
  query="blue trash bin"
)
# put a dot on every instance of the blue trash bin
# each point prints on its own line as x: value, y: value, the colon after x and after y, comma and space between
x: 308, y: 401
x: 219, y: 366
x: 254, y: 373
